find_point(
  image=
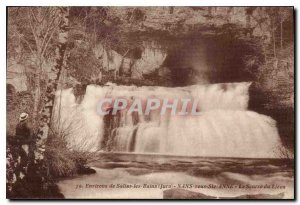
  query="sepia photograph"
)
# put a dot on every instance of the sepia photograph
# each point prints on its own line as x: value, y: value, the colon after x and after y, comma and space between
x: 150, y: 102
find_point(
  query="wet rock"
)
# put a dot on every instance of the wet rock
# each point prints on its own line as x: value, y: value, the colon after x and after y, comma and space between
x: 86, y: 170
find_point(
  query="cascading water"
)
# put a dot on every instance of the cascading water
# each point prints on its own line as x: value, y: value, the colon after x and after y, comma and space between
x: 224, y: 127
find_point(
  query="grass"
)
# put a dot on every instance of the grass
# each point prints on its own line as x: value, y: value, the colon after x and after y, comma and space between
x: 63, y: 159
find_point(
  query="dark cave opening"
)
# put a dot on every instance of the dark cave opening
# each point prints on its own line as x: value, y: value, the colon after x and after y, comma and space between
x: 205, y: 60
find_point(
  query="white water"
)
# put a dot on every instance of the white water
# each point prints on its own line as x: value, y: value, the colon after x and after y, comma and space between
x: 223, y: 129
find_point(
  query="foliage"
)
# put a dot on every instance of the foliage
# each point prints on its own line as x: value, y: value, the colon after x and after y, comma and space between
x: 17, y: 103
x: 285, y: 153
x: 64, y: 159
x: 34, y: 28
x: 60, y: 158
x: 91, y: 26
x: 83, y: 65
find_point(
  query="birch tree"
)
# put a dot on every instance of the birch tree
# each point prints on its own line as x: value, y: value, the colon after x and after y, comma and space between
x: 52, y: 85
x: 37, y: 28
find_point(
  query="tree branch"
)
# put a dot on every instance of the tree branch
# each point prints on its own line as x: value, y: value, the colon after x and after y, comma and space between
x: 28, y: 44
x: 49, y: 27
x: 46, y: 45
x: 33, y: 15
x: 33, y: 31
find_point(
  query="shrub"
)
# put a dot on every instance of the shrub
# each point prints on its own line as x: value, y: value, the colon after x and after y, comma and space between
x: 63, y: 160
x: 59, y: 158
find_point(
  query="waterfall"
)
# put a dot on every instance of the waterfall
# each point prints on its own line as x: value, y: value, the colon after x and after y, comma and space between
x: 224, y: 128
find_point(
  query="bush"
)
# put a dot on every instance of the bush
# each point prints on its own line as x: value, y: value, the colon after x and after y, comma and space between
x: 59, y: 158
x: 62, y: 160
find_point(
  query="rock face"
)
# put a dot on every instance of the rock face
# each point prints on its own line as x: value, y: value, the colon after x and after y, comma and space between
x: 152, y: 58
x: 26, y: 183
x: 111, y: 60
x: 185, y: 19
x: 16, y: 77
x: 148, y: 29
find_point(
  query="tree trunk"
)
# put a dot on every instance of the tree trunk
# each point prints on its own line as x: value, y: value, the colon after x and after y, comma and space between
x: 274, y: 42
x: 281, y: 34
x: 265, y: 52
x: 171, y: 9
x: 37, y: 93
x: 36, y: 100
x: 52, y: 84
